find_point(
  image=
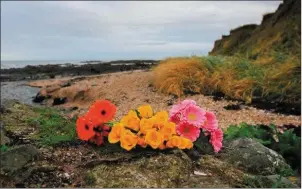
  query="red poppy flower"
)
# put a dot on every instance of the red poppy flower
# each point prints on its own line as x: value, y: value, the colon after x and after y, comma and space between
x: 104, y: 110
x: 84, y: 130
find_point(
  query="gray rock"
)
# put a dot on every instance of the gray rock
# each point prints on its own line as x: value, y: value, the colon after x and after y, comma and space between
x: 15, y: 159
x: 253, y: 157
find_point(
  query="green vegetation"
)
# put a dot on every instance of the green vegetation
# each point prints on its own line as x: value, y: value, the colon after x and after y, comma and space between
x: 3, y: 148
x: 53, y: 128
x: 89, y: 179
x: 288, y: 144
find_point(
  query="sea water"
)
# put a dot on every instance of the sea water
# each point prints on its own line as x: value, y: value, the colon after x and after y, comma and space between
x: 5, y: 64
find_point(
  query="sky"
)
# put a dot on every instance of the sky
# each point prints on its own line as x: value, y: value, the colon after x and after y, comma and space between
x: 110, y: 30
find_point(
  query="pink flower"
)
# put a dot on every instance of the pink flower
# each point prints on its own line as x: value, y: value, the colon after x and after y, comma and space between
x: 216, y: 139
x: 194, y: 115
x: 180, y: 106
x: 211, y: 122
x: 188, y: 131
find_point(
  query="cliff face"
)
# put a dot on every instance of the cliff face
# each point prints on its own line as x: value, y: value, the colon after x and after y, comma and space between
x: 278, y: 32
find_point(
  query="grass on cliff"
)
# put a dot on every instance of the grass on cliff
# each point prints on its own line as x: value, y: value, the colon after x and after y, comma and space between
x: 53, y: 128
x: 236, y: 77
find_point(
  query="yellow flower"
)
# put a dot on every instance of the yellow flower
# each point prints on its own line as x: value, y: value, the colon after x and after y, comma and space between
x: 154, y: 138
x: 131, y: 120
x: 162, y: 146
x: 145, y: 111
x: 168, y: 130
x: 141, y: 141
x: 189, y: 144
x: 115, y: 133
x: 175, y: 141
x: 128, y: 140
x: 146, y: 124
x: 161, y: 117
x: 124, y: 120
x: 184, y: 142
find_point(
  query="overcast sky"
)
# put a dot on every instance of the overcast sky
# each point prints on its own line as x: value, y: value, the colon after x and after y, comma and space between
x: 75, y: 30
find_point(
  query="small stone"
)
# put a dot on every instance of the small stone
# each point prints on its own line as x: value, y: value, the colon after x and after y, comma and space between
x: 199, y: 173
x: 66, y: 175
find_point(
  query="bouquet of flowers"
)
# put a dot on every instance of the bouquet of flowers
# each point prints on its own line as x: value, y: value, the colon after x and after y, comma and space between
x: 142, y: 127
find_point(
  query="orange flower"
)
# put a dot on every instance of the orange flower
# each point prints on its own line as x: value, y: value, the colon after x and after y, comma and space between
x: 128, y: 140
x: 104, y: 110
x: 168, y: 130
x: 162, y: 146
x: 184, y: 142
x: 145, y: 111
x: 115, y: 133
x: 169, y: 144
x: 154, y: 138
x: 175, y: 141
x: 141, y: 141
x: 131, y: 121
x: 84, y: 129
x: 146, y: 124
x: 160, y: 119
x: 189, y: 144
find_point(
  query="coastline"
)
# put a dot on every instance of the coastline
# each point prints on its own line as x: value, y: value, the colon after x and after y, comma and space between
x: 50, y: 71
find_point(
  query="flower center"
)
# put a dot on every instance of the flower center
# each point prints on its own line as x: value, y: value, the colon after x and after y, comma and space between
x: 186, y: 130
x: 86, y: 127
x: 103, y: 112
x: 192, y: 117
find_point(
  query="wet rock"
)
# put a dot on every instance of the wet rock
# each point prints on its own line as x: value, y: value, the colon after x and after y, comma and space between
x: 162, y: 170
x: 39, y: 98
x: 270, y: 181
x: 58, y: 101
x: 15, y: 159
x: 252, y: 156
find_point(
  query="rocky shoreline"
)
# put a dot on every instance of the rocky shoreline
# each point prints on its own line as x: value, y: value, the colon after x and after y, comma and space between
x: 242, y: 162
x: 63, y: 70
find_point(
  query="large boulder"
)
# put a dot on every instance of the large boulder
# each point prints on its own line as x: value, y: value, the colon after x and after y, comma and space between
x: 253, y: 157
x: 15, y: 159
x: 159, y: 171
